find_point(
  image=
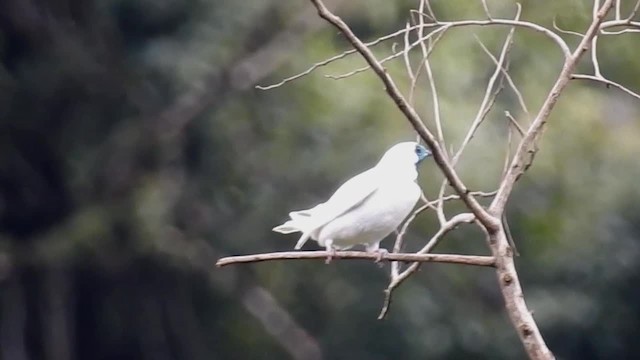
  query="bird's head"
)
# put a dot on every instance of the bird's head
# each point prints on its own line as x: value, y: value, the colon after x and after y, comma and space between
x: 421, y: 152
x: 405, y: 154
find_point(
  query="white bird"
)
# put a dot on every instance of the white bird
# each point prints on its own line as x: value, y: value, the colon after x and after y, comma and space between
x: 366, y: 208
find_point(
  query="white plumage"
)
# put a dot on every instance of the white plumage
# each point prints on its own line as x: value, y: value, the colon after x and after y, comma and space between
x: 366, y: 208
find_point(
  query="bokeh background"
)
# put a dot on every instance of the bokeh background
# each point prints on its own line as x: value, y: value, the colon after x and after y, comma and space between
x: 135, y: 152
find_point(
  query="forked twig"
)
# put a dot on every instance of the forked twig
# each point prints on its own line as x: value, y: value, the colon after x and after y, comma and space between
x: 512, y: 84
x: 490, y: 95
x: 397, y: 246
x: 329, y: 61
x: 397, y: 280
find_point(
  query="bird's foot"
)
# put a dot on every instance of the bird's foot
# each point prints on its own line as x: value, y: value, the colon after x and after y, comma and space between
x: 381, y: 252
x: 332, y: 253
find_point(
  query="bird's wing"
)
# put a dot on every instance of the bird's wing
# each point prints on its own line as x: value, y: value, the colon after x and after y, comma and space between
x: 351, y: 194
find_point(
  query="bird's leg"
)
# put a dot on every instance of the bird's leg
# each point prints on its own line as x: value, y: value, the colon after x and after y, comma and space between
x: 375, y: 248
x: 330, y: 249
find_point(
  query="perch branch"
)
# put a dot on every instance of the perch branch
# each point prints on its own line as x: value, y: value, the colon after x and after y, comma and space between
x: 361, y: 255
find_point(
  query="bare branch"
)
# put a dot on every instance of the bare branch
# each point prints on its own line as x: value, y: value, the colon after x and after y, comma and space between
x: 440, y: 202
x: 486, y: 9
x: 397, y: 247
x: 439, y: 31
x: 443, y: 26
x: 605, y: 81
x: 397, y: 280
x: 363, y: 68
x: 360, y: 255
x: 457, y: 197
x: 617, y: 23
x: 431, y: 12
x: 527, y: 148
x: 568, y: 32
x: 509, y: 79
x: 634, y: 11
x: 412, y: 116
x: 623, y: 31
x: 594, y: 43
x: 489, y: 96
x: 507, y: 156
x: 414, y: 80
x: 407, y: 63
x: 514, y: 122
x: 490, y: 221
x: 330, y: 60
x: 432, y: 83
x: 505, y: 267
x: 507, y: 22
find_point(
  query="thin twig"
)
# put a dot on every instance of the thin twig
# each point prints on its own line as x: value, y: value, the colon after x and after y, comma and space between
x: 330, y: 60
x: 509, y: 79
x: 594, y: 43
x: 394, y: 55
x: 507, y: 156
x: 569, y: 32
x: 514, y: 122
x: 432, y: 44
x: 623, y: 31
x: 490, y: 95
x: 605, y: 81
x: 507, y: 22
x: 432, y: 82
x: 486, y: 9
x: 617, y: 23
x: 363, y: 68
x: 634, y: 11
x: 397, y: 280
x: 407, y: 63
x: 431, y: 12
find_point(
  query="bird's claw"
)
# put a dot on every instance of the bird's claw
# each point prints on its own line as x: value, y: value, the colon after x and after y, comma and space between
x: 381, y: 252
x: 332, y: 253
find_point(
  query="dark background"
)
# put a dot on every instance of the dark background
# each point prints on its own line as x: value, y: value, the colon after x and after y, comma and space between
x: 135, y: 152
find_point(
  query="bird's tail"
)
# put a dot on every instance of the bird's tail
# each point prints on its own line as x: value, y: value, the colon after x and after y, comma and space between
x: 300, y: 222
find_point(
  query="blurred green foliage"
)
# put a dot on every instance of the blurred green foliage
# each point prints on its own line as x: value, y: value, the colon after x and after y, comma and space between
x: 135, y: 151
